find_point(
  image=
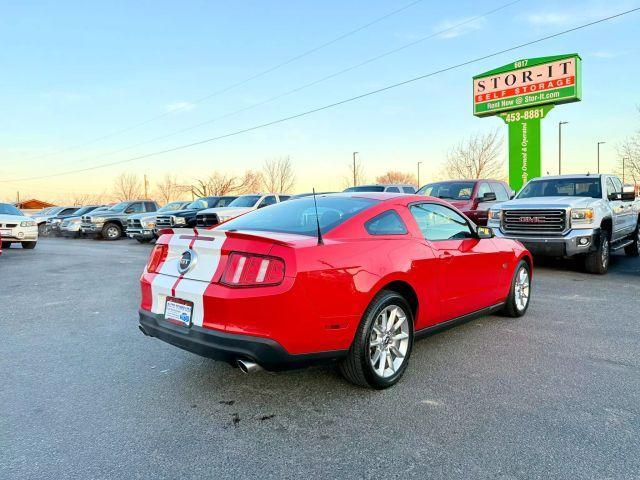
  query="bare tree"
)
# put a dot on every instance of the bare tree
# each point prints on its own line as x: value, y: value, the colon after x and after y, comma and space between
x: 357, y: 174
x: 127, y: 186
x: 250, y: 182
x: 476, y: 157
x: 393, y: 176
x: 628, y: 166
x: 278, y: 175
x: 222, y: 183
x: 168, y: 189
x: 200, y: 187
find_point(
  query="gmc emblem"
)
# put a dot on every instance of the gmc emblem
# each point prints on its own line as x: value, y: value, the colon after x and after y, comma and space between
x: 531, y: 219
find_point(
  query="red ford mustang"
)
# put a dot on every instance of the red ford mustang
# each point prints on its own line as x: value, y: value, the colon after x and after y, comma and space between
x: 352, y: 278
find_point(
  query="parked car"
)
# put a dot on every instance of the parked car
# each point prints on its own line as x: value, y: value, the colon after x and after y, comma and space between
x: 142, y: 226
x: 239, y: 206
x: 15, y: 227
x: 42, y: 218
x: 111, y: 224
x: 69, y: 226
x: 379, y: 187
x: 474, y: 198
x: 54, y: 223
x: 354, y: 280
x: 572, y: 215
x: 186, y: 218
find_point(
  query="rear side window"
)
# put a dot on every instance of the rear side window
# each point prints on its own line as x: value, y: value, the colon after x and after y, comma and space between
x: 386, y: 223
x: 408, y: 190
x: 501, y: 193
x: 151, y: 207
x: 393, y: 189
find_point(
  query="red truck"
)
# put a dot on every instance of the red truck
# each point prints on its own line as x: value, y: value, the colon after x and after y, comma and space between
x: 473, y: 197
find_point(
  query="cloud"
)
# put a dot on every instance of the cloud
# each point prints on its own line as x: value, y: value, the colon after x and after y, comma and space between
x: 457, y: 28
x: 549, y: 19
x: 180, y: 107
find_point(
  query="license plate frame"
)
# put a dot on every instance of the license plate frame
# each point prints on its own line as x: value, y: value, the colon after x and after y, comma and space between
x: 5, y: 232
x: 178, y: 311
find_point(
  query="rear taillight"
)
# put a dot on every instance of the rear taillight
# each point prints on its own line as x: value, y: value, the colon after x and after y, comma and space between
x: 247, y: 270
x: 158, y: 255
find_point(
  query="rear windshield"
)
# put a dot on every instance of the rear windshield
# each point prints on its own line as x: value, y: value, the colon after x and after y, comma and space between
x: 366, y: 188
x: 299, y: 216
x: 448, y: 190
x: 574, y: 187
x: 6, y: 209
x: 245, y: 201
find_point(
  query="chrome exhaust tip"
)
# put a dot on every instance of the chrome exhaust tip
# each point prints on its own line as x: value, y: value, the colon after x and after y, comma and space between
x: 247, y: 366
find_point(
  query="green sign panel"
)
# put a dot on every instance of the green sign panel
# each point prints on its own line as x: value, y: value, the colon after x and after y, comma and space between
x: 525, y: 144
x: 522, y: 93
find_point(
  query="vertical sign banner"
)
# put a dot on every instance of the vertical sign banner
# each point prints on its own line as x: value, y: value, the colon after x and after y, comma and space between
x: 522, y: 93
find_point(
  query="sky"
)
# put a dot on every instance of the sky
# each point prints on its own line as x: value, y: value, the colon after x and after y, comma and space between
x: 85, y: 83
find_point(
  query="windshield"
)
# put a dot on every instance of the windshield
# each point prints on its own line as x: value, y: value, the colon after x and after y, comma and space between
x: 119, y: 207
x: 172, y: 206
x: 245, y: 201
x: 83, y: 210
x: 562, y: 187
x: 299, y: 216
x: 366, y: 188
x: 6, y: 209
x: 448, y: 190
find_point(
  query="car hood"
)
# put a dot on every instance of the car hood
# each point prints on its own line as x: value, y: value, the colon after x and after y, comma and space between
x: 228, y: 211
x: 15, y: 218
x: 549, y: 202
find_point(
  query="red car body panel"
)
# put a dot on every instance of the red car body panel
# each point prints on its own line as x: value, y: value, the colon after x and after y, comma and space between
x: 326, y: 288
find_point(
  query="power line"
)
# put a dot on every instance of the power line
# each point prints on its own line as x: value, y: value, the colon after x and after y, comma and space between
x: 338, y: 103
x: 303, y: 87
x: 233, y: 85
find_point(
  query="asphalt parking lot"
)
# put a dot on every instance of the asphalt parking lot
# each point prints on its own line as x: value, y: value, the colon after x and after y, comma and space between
x: 555, y: 394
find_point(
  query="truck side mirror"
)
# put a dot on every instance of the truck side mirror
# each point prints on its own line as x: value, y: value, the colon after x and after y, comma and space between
x: 489, y: 197
x: 628, y: 193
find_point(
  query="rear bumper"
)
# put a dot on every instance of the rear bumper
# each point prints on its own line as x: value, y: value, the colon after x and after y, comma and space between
x: 567, y: 245
x: 229, y: 347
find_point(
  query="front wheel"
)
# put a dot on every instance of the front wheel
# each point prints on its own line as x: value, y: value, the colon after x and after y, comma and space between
x: 29, y: 245
x: 111, y: 231
x: 382, y: 346
x: 598, y: 261
x: 633, y: 250
x: 518, y: 300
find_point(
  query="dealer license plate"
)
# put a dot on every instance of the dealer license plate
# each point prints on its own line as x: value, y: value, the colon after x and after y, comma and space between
x: 178, y: 311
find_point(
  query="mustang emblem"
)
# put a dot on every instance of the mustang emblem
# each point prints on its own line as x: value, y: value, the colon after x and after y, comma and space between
x: 187, y: 260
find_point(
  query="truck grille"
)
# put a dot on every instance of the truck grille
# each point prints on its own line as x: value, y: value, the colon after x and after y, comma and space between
x: 207, y: 219
x: 552, y: 221
x: 86, y: 219
x: 163, y: 221
x: 134, y: 223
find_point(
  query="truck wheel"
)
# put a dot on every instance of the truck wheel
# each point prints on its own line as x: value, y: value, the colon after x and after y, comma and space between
x: 518, y: 300
x: 382, y: 345
x: 29, y: 245
x: 111, y: 231
x: 633, y: 250
x: 598, y: 261
x: 42, y: 229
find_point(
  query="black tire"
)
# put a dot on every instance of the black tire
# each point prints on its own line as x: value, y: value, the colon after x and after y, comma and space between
x: 356, y: 367
x: 512, y: 307
x: 29, y: 245
x: 6, y: 244
x: 111, y: 231
x: 633, y: 250
x: 598, y: 261
x: 42, y: 229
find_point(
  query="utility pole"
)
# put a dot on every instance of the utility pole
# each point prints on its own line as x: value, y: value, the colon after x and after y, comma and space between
x: 146, y: 183
x: 560, y: 146
x: 18, y: 196
x: 599, y: 143
x: 419, y: 174
x: 354, y: 169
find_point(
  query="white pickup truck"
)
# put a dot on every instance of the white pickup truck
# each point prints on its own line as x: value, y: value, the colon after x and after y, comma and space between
x: 567, y: 215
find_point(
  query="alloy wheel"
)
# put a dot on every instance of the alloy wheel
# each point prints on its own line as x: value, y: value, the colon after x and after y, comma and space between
x: 389, y: 341
x: 605, y: 252
x: 522, y: 288
x: 112, y: 232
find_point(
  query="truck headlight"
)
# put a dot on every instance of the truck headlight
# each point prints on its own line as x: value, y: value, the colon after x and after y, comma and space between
x: 495, y: 215
x: 178, y: 221
x: 28, y: 223
x: 149, y: 224
x: 582, y: 215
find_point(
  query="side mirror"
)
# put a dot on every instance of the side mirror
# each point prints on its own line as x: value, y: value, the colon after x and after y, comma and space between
x: 628, y: 193
x: 512, y: 194
x: 614, y: 196
x: 484, y: 232
x: 129, y: 210
x: 488, y: 197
